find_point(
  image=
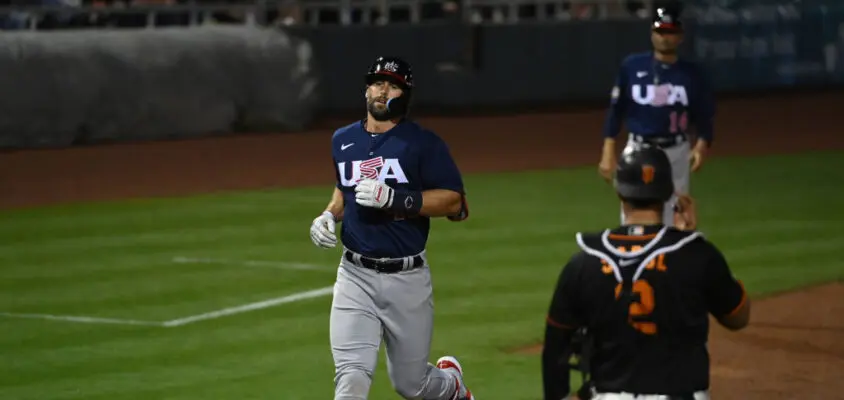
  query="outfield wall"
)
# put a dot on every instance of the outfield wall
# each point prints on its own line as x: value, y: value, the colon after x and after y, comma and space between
x: 66, y: 88
x: 463, y: 66
x: 80, y: 86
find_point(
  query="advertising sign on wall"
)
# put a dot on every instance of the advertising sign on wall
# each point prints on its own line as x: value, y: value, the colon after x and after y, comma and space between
x: 760, y: 44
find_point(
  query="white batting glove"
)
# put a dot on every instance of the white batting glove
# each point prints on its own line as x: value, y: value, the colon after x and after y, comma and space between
x: 372, y: 193
x: 322, y: 230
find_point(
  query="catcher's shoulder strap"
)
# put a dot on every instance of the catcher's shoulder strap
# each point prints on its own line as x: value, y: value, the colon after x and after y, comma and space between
x: 665, y: 241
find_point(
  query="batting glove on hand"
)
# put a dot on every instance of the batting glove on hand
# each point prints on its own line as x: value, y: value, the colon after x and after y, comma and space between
x: 322, y: 230
x: 371, y: 193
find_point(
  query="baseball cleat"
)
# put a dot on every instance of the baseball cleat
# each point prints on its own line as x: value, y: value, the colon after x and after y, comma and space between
x: 450, y: 364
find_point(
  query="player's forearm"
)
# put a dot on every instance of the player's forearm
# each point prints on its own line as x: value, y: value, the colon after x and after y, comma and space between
x: 440, y: 203
x: 702, y: 144
x: 704, y: 140
x: 609, y: 147
x: 336, y: 205
x: 704, y: 133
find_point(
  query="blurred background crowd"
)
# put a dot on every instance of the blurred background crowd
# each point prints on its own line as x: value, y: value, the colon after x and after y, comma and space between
x: 70, y: 14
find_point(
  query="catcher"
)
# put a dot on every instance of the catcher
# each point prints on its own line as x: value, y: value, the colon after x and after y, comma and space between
x: 631, y: 308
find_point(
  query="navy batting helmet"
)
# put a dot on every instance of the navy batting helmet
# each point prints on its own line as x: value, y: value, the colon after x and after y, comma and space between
x: 667, y: 20
x: 399, y: 72
x: 391, y: 69
x: 644, y: 174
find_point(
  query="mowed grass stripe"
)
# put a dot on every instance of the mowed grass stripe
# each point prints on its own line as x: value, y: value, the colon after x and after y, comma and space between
x: 154, y: 259
x: 157, y: 208
x: 768, y: 277
x: 112, y: 228
x: 164, y: 355
x: 123, y: 238
x: 139, y: 264
x: 166, y: 295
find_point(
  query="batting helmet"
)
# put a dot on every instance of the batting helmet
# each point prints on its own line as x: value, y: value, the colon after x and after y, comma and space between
x: 644, y: 174
x: 399, y: 72
x: 667, y: 20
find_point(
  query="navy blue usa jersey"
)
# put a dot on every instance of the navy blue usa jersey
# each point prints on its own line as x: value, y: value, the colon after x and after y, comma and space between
x: 656, y: 99
x: 407, y: 157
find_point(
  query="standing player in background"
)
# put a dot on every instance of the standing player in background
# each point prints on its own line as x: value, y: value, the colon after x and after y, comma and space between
x: 393, y: 176
x: 657, y: 95
x: 643, y: 292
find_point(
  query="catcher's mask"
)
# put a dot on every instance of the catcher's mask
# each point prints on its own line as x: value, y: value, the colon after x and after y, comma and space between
x: 644, y: 174
x: 396, y: 71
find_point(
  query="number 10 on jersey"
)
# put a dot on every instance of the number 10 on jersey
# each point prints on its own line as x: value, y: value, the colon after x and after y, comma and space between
x: 679, y: 121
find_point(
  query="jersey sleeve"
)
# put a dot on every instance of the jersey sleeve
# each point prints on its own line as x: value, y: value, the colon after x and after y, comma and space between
x: 334, y: 160
x: 703, y: 106
x: 618, y: 103
x: 724, y: 293
x: 336, y: 174
x: 438, y: 169
x: 564, y: 312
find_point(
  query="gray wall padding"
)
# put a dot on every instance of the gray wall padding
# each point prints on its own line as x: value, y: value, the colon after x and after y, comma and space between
x: 59, y: 87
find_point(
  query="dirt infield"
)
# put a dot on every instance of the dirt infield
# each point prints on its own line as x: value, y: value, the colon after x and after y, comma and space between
x: 776, y: 358
x: 793, y: 349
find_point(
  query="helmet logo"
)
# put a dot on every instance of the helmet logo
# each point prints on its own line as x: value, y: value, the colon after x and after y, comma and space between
x: 391, y: 66
x: 647, y: 173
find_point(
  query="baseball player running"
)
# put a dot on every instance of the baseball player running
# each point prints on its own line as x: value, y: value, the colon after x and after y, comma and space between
x: 643, y: 292
x: 658, y: 95
x: 393, y: 176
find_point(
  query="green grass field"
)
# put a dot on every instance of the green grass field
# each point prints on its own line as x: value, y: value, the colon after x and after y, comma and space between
x: 777, y: 219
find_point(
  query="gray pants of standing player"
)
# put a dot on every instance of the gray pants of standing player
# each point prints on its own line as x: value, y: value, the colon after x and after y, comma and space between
x: 401, y: 306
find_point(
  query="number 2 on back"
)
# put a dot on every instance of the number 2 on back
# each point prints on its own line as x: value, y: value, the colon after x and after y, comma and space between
x: 642, y: 306
x: 645, y: 302
x: 679, y: 121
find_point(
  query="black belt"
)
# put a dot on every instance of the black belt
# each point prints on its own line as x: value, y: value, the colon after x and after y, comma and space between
x: 663, y: 141
x: 384, y: 265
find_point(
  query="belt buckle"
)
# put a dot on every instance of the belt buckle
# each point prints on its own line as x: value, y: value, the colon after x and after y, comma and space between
x: 381, y: 264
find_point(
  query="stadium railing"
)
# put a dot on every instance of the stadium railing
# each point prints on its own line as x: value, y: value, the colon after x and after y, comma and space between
x: 316, y: 12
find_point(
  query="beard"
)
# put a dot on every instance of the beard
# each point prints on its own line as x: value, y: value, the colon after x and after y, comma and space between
x: 379, y: 111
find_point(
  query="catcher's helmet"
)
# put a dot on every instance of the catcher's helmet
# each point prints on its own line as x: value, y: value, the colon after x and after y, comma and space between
x: 667, y: 19
x: 399, y: 72
x: 644, y: 174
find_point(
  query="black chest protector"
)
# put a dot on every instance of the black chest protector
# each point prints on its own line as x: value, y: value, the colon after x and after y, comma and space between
x: 627, y: 265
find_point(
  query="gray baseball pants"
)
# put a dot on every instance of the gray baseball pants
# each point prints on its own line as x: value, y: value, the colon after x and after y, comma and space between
x: 399, y: 308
